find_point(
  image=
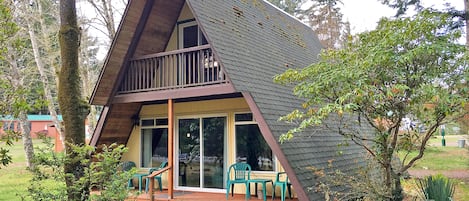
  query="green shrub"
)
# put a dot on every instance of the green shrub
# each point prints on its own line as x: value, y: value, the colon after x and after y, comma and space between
x: 101, y: 168
x: 437, y: 188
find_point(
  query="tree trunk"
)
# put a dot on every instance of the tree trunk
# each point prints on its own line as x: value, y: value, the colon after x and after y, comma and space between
x: 18, y: 85
x: 72, y: 106
x: 27, y: 141
x: 45, y: 82
x: 89, y: 74
x: 397, y: 189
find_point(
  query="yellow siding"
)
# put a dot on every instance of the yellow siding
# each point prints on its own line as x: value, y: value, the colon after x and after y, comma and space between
x: 133, y: 145
x: 210, y: 107
x: 228, y: 107
x: 186, y: 14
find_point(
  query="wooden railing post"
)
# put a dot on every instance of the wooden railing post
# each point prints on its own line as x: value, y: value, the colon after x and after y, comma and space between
x: 150, y: 191
x: 189, y: 67
x: 151, y: 179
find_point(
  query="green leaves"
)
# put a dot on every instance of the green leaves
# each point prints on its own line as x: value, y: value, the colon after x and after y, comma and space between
x: 403, y: 65
x: 102, y: 172
x: 437, y: 187
x: 411, y: 67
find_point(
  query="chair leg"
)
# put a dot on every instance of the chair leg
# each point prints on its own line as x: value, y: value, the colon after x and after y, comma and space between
x: 248, y: 191
x: 283, y: 189
x: 289, y: 190
x: 147, y: 183
x: 130, y: 184
x: 160, y: 184
x: 273, y: 191
x: 227, y: 190
x: 264, y: 191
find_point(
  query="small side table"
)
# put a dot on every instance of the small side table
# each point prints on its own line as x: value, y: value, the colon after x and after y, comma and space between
x: 140, y: 178
x: 263, y: 182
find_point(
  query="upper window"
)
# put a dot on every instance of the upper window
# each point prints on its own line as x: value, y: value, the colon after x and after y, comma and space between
x: 190, y: 35
x: 251, y: 146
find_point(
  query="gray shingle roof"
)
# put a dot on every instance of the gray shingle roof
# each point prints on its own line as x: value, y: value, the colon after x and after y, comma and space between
x: 255, y: 41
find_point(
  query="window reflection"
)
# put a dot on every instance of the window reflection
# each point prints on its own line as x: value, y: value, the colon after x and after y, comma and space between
x: 251, y: 146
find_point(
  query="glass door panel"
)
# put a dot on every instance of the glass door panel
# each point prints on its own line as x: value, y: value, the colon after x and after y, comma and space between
x: 189, y: 152
x: 202, y: 152
x: 213, y: 158
x: 190, y: 34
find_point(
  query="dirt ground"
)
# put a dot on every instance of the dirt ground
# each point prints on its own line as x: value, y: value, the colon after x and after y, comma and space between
x: 455, y: 174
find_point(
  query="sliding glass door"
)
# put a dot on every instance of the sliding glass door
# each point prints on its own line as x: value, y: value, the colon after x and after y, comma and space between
x: 202, y: 152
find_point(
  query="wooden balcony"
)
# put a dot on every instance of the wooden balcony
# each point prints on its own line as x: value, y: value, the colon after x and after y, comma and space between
x: 189, y: 67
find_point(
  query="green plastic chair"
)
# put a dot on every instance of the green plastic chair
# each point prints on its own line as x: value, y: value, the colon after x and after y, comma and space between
x: 157, y: 177
x: 284, y: 185
x: 127, y: 166
x: 242, y: 175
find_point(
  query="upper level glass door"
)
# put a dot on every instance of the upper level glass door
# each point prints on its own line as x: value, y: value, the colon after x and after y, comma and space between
x: 190, y: 35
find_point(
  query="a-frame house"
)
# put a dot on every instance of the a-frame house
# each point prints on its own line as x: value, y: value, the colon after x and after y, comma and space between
x: 191, y: 82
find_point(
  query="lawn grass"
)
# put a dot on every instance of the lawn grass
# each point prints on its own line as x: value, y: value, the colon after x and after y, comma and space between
x: 462, y: 190
x: 15, y: 178
x: 439, y: 158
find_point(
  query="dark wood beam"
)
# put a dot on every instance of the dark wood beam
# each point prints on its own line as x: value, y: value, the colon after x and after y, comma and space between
x: 175, y: 94
x: 99, y: 127
x: 133, y: 45
x: 274, y: 145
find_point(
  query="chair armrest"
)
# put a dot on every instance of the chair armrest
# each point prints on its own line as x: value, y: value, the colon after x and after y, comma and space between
x: 277, y: 178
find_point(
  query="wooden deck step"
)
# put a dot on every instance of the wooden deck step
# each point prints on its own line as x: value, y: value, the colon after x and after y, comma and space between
x: 196, y: 196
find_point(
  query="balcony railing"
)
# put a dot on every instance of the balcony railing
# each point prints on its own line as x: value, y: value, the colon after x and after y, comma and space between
x: 189, y: 67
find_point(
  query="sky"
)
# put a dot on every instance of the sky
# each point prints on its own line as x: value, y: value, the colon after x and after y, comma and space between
x: 363, y: 15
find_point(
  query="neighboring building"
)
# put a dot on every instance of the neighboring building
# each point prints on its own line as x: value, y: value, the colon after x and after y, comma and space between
x: 37, y: 123
x: 195, y: 77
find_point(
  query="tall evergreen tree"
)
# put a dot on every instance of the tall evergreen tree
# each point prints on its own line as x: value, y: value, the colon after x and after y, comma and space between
x: 327, y: 22
x: 324, y: 17
x: 403, y: 5
x: 293, y: 7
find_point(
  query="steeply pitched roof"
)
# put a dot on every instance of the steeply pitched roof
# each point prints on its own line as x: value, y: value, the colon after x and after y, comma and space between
x: 254, y: 41
x: 142, y: 22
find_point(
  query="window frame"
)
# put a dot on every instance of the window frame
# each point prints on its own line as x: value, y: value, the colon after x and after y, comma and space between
x: 188, y: 23
x: 154, y: 126
x: 252, y: 122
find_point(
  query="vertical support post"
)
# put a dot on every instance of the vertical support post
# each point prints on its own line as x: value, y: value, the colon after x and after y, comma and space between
x: 170, y: 149
x: 150, y: 191
x: 443, y: 141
